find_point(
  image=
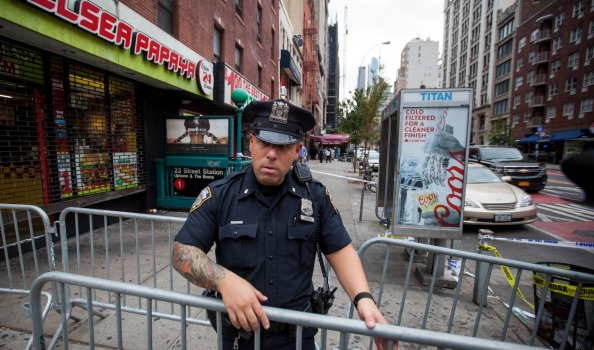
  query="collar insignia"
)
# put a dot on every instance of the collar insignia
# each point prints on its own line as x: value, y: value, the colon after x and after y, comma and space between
x: 279, y: 113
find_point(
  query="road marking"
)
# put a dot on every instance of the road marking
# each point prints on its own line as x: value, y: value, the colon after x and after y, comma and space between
x: 569, y: 211
x: 561, y: 182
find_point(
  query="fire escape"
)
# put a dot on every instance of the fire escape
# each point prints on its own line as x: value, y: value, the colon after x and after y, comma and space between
x: 312, y: 66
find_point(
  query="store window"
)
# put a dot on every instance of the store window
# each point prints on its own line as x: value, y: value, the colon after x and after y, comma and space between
x: 74, y: 134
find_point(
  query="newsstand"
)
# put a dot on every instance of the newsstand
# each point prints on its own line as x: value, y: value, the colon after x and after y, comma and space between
x: 557, y: 308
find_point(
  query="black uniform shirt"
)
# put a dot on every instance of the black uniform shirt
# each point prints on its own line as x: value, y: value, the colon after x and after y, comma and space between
x: 269, y: 240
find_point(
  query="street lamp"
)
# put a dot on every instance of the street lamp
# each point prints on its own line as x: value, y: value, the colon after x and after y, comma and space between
x: 368, y: 51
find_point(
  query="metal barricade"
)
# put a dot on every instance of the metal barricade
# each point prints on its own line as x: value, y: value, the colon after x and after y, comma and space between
x: 467, y: 322
x: 157, y: 334
x: 27, y: 252
x: 126, y: 247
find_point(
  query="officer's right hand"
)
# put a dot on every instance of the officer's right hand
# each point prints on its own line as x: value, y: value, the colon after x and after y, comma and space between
x: 243, y: 303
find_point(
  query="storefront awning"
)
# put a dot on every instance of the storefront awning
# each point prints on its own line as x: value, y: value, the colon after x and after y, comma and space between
x: 568, y: 134
x: 527, y: 139
x: 333, y: 139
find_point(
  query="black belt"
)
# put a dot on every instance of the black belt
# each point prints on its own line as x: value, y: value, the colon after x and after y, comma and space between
x: 275, y: 327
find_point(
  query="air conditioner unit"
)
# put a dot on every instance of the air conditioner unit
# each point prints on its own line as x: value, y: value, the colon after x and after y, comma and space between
x: 283, y: 91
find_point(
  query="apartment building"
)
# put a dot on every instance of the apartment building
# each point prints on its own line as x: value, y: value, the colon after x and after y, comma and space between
x: 419, y: 65
x: 552, y: 112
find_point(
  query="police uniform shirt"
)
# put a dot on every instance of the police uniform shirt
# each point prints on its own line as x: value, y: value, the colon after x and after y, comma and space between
x: 268, y: 240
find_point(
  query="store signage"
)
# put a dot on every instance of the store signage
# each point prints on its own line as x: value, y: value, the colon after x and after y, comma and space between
x: 189, y: 181
x: 234, y: 80
x: 205, y: 77
x: 92, y: 18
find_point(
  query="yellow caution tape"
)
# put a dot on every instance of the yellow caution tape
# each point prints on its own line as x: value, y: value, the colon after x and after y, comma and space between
x: 506, y: 271
x: 586, y: 293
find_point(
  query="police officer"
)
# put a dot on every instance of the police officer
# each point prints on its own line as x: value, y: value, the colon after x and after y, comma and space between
x: 263, y: 221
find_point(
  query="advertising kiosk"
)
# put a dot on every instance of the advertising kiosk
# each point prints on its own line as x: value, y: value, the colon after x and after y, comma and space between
x: 433, y: 133
x: 199, y: 150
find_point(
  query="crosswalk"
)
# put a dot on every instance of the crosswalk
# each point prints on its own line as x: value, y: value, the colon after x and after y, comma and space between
x: 570, y: 193
x: 565, y: 212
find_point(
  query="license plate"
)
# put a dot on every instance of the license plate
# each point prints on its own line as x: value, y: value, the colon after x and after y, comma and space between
x: 503, y: 217
x: 524, y: 184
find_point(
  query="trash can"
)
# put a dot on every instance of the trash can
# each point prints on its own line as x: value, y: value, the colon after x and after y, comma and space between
x: 558, y: 305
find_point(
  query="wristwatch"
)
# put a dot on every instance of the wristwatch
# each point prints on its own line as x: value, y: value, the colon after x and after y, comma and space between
x: 362, y: 295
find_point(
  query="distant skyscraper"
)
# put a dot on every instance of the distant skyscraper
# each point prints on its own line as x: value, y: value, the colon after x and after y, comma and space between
x: 362, y: 78
x: 373, y: 72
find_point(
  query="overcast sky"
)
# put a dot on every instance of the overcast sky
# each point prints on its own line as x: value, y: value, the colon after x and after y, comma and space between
x: 371, y: 22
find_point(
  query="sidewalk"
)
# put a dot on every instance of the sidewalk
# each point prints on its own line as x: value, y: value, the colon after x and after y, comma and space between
x: 345, y: 189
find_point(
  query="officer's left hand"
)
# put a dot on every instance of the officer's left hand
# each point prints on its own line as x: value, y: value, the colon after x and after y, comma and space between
x: 369, y: 313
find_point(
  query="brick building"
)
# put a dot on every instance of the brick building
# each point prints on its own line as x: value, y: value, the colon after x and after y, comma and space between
x: 87, y: 89
x: 552, y: 111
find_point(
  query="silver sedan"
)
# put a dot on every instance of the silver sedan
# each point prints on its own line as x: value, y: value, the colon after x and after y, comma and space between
x: 490, y: 200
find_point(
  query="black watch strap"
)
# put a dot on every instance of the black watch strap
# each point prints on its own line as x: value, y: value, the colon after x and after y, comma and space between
x: 362, y: 295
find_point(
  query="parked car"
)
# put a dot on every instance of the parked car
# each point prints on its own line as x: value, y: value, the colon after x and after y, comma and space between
x: 509, y: 161
x: 372, y: 158
x: 491, y: 200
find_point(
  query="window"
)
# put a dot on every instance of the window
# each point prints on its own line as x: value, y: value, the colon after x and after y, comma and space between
x: 500, y: 107
x: 589, y: 79
x: 506, y: 30
x: 591, y: 28
x: 573, y: 60
x: 517, y: 100
x: 578, y: 9
x: 586, y: 105
x: 519, y: 81
x: 238, y: 7
x: 551, y: 112
x: 557, y: 43
x: 260, y: 76
x: 576, y: 35
x: 555, y: 66
x: 589, y: 52
x: 259, y: 24
x: 529, y: 97
x: 502, y: 88
x: 559, y: 20
x: 504, y: 49
x: 165, y: 15
x: 515, y: 119
x: 503, y: 69
x: 554, y: 89
x: 570, y: 84
x: 568, y: 110
x: 217, y: 45
x: 238, y: 54
x: 520, y: 62
x: 521, y: 43
x: 272, y: 40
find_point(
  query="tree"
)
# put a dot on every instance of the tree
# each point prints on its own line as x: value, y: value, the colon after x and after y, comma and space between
x: 500, y: 134
x: 358, y: 116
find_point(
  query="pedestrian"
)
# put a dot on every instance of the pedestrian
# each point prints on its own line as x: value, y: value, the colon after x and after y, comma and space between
x: 260, y: 259
x: 327, y: 154
x: 302, y: 155
x: 321, y: 154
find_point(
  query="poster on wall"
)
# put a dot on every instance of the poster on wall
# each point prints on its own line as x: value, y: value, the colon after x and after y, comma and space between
x: 433, y: 138
x: 92, y: 173
x: 125, y: 170
x: 203, y: 135
x: 65, y: 174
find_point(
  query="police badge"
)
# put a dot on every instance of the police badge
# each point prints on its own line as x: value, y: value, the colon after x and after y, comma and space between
x: 306, y: 210
x: 279, y: 112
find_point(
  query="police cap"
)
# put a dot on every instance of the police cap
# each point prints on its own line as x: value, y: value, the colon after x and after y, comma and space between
x: 278, y: 121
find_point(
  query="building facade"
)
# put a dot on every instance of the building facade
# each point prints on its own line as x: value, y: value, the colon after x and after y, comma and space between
x: 554, y: 79
x: 333, y: 83
x: 419, y: 65
x: 86, y: 88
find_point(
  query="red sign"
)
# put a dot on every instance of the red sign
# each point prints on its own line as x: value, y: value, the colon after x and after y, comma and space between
x: 179, y: 184
x: 108, y: 27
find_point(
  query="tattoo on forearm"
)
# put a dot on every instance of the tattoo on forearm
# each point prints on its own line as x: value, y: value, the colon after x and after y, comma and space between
x: 197, y: 267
